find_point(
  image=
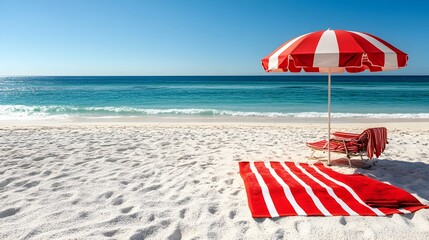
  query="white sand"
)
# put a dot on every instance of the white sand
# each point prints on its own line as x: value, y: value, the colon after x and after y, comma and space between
x: 181, y: 181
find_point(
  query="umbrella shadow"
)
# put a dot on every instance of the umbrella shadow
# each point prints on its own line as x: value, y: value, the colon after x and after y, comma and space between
x: 410, y: 176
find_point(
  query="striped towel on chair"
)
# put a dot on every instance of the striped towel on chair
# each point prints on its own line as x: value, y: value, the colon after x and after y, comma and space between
x: 377, y: 140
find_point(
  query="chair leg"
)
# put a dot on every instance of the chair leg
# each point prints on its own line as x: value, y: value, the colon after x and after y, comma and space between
x: 350, y: 161
x: 312, y: 157
x: 347, y: 153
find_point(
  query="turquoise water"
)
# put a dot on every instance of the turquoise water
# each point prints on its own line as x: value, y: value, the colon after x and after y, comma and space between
x: 270, y: 96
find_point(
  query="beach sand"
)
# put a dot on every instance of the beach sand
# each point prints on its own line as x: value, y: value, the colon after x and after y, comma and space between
x: 180, y: 180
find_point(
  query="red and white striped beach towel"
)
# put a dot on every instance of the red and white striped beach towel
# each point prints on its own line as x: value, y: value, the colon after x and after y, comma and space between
x: 298, y: 189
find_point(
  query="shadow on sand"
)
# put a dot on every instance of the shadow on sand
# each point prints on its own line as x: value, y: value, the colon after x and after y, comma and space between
x: 410, y: 176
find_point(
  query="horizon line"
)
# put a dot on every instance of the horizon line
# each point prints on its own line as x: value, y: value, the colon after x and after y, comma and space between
x: 228, y: 75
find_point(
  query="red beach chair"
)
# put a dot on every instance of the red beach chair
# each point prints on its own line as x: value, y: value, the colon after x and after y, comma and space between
x: 370, y: 143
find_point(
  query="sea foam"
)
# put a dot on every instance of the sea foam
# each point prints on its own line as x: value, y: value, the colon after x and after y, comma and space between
x: 23, y: 112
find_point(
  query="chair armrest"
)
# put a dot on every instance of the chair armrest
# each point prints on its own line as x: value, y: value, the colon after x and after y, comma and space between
x: 344, y: 135
x: 335, y: 138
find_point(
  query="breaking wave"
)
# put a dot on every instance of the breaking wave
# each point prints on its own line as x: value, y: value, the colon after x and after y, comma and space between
x: 11, y: 112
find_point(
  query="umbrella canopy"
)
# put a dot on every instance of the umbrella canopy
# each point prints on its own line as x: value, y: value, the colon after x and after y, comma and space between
x: 333, y: 51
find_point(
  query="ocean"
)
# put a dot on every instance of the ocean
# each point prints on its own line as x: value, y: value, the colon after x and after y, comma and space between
x: 271, y: 96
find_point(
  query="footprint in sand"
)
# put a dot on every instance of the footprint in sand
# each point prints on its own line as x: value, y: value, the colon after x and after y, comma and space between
x: 279, y: 234
x: 303, y: 228
x: 125, y: 182
x: 31, y: 184
x: 33, y: 173
x: 108, y: 194
x: 184, y: 200
x: 38, y: 159
x: 232, y: 214
x: 229, y: 181
x: 135, y: 188
x: 176, y: 235
x: 9, y: 212
x: 182, y: 213
x: 151, y: 188
x: 83, y: 215
x: 109, y: 233
x: 342, y: 221
x: 126, y: 210
x: 213, y: 234
x: 135, y: 165
x: 117, y: 201
x: 235, y: 193
x: 7, y: 181
x: 25, y: 165
x: 213, y: 209
x: 144, y: 233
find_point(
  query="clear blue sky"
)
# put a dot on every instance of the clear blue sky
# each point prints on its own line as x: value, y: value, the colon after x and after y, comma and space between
x: 188, y: 37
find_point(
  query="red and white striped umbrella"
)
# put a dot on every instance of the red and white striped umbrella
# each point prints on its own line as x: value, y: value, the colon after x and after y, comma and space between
x: 334, y: 51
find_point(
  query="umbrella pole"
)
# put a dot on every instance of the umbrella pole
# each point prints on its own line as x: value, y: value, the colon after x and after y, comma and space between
x: 329, y: 117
